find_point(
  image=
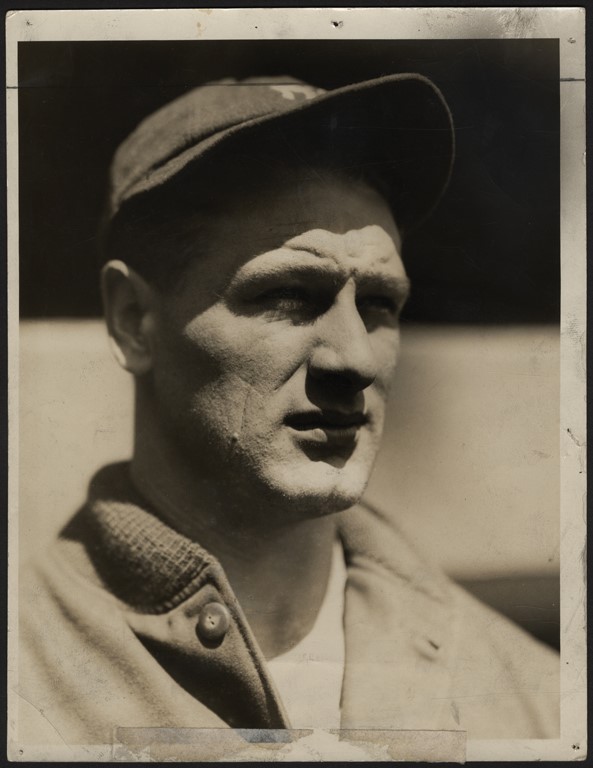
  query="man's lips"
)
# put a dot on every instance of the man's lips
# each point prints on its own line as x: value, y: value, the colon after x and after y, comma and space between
x: 326, y: 420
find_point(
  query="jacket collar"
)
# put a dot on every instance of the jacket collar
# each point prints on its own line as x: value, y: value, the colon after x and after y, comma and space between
x: 399, y: 613
x: 400, y: 623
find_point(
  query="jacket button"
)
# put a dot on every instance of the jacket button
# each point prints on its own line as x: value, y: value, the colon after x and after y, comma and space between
x: 213, y: 623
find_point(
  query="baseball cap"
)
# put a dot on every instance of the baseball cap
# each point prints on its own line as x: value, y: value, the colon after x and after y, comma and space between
x: 398, y: 127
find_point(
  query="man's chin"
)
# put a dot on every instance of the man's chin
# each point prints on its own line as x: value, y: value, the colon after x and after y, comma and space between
x: 323, y: 489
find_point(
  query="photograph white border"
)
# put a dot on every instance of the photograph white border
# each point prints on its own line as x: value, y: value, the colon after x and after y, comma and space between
x: 565, y: 24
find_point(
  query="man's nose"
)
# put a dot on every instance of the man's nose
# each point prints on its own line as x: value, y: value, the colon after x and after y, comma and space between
x: 343, y: 354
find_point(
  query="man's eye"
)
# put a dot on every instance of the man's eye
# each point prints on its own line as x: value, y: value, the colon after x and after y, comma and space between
x: 378, y: 311
x: 284, y: 294
x: 378, y: 304
x: 286, y: 298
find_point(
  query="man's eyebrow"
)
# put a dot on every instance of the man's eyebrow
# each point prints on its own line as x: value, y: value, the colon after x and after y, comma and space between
x: 276, y: 266
x: 398, y: 285
x: 295, y: 246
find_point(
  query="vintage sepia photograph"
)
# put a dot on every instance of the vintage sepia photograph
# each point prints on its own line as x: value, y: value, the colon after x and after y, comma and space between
x: 297, y: 380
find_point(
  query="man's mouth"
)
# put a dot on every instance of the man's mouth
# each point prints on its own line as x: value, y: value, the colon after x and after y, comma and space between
x: 327, y: 426
x: 326, y: 420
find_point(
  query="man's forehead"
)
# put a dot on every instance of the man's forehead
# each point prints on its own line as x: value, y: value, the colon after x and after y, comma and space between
x: 365, y: 254
x: 277, y: 227
x: 372, y: 242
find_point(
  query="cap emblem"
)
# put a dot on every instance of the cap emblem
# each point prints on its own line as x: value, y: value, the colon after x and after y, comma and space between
x: 290, y: 91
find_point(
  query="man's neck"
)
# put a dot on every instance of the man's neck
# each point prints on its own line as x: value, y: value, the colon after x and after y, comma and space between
x: 279, y: 572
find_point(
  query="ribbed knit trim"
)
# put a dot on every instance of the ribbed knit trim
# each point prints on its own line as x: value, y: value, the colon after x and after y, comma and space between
x: 142, y: 561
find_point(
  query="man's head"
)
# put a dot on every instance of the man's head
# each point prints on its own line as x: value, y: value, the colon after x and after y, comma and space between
x: 264, y: 349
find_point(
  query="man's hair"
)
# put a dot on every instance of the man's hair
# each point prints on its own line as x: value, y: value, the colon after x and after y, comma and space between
x: 160, y: 233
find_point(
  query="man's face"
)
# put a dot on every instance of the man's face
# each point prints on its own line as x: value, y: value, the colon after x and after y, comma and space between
x: 273, y: 359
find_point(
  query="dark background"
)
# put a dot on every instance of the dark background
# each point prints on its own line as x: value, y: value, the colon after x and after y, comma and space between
x: 490, y: 254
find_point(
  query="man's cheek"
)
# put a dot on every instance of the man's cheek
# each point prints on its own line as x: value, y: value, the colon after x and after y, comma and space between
x: 266, y: 367
x: 272, y: 352
x: 237, y: 411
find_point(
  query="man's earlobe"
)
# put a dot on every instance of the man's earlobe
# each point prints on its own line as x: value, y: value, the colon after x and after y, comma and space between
x: 129, y: 303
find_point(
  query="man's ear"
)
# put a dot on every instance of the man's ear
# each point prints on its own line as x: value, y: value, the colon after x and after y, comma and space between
x: 130, y: 304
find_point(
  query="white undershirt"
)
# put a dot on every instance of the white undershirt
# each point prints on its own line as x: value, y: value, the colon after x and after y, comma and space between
x: 309, y: 676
